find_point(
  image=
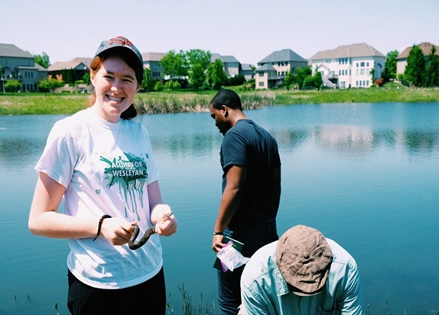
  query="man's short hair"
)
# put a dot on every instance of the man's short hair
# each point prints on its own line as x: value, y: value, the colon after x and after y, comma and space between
x: 226, y: 97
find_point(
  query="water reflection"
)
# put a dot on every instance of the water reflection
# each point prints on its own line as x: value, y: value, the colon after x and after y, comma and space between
x: 344, y: 139
x: 416, y: 142
x: 365, y: 174
x: 291, y: 138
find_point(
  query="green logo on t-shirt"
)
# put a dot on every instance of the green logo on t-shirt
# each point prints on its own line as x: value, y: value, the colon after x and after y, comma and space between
x: 130, y: 174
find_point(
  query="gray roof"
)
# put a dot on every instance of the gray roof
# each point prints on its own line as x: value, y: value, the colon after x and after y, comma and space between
x: 246, y: 67
x: 224, y: 59
x: 9, y: 50
x: 348, y: 51
x: 71, y: 64
x: 282, y: 55
x: 267, y: 67
x: 152, y: 56
x: 40, y: 67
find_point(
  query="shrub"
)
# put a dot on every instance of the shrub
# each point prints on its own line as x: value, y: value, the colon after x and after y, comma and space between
x: 379, y: 82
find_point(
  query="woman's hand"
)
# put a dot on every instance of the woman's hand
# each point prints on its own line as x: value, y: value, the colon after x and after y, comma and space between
x: 166, y: 221
x: 117, y: 230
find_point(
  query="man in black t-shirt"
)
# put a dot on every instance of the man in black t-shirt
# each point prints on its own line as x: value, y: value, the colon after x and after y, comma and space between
x: 251, y: 189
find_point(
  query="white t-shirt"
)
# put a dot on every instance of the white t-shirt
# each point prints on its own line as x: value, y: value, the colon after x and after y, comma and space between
x: 105, y: 168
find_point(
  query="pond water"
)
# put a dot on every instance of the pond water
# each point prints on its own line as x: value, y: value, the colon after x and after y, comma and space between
x: 366, y: 175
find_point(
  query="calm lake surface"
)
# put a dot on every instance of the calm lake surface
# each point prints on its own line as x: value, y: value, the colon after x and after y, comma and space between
x: 366, y: 175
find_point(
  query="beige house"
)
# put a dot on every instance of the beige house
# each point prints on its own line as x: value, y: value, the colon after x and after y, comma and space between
x: 272, y: 69
x: 355, y: 65
x: 401, y: 60
x: 70, y: 71
x: 17, y: 64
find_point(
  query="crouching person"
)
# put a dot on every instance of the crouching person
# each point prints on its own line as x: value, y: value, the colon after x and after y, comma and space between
x: 302, y: 273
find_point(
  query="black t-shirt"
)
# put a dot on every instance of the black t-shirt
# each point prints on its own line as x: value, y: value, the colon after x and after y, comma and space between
x: 248, y: 144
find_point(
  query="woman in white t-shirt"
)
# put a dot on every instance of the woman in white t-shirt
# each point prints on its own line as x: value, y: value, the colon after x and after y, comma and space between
x: 101, y: 163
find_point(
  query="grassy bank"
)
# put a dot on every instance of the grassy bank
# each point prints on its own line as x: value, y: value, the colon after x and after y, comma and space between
x: 175, y: 102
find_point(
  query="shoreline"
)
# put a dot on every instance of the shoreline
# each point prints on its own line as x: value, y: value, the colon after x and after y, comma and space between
x: 184, y: 101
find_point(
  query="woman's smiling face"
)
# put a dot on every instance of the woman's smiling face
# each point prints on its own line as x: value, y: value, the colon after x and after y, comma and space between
x: 115, y: 85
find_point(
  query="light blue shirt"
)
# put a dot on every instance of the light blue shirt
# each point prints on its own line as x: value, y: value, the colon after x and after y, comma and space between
x: 265, y: 291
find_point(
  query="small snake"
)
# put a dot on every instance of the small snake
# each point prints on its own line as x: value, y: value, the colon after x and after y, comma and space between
x: 135, y: 245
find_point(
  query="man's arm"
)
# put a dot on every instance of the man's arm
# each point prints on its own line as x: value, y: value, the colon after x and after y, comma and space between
x: 352, y: 298
x: 252, y: 304
x: 235, y: 179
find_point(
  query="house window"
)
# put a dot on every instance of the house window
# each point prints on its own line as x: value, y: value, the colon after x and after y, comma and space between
x: 261, y: 84
x: 362, y: 71
x: 261, y: 74
x: 362, y: 64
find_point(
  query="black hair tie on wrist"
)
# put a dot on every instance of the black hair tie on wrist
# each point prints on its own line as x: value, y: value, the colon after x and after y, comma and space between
x: 105, y: 216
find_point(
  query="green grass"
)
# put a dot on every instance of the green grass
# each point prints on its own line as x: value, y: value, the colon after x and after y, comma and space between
x: 35, y: 103
x: 189, y: 101
x: 389, y: 93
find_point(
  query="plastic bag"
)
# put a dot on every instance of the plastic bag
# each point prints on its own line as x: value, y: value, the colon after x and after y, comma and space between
x: 231, y: 258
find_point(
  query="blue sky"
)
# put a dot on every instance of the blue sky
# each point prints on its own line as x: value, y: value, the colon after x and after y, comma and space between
x: 248, y: 30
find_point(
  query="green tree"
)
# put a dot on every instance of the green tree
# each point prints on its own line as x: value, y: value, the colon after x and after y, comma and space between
x: 198, y: 57
x: 288, y: 81
x: 372, y: 75
x: 415, y: 69
x: 197, y: 76
x: 432, y: 71
x: 317, y: 79
x: 172, y: 85
x: 86, y: 78
x: 158, y: 86
x: 174, y: 64
x: 148, y: 82
x: 48, y: 85
x: 12, y: 85
x: 43, y: 60
x: 390, y: 66
x: 178, y: 65
x: 301, y: 74
x: 308, y: 82
x: 216, y: 75
x: 238, y: 79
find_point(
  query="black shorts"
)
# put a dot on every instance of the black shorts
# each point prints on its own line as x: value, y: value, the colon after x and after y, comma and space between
x: 145, y: 298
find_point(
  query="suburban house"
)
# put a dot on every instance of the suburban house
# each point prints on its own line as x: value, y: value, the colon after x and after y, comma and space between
x: 17, y: 64
x: 355, y: 65
x: 401, y: 60
x: 272, y: 69
x: 246, y: 71
x: 70, y: 71
x: 231, y: 64
x: 151, y: 60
